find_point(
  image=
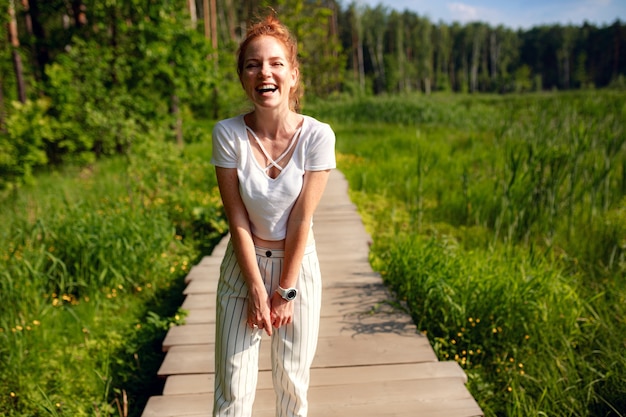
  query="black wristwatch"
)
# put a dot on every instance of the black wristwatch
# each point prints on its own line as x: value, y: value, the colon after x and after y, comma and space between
x: 288, y: 294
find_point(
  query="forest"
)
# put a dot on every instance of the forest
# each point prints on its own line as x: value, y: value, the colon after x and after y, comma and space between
x: 81, y: 79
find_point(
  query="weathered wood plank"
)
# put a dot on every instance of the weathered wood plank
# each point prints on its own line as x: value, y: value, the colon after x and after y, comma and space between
x: 206, y: 285
x: 348, y: 325
x: 334, y: 351
x: 433, y: 397
x: 203, y: 383
x: 361, y: 292
x: 200, y: 316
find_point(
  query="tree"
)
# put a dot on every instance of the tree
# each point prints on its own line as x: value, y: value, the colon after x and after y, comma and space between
x: 375, y: 27
x: 477, y: 33
x: 17, y: 59
x: 442, y: 57
x: 356, y: 46
x: 564, y: 55
x: 423, y: 40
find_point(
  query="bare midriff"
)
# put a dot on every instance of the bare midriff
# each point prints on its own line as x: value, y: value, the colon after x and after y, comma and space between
x: 278, y: 244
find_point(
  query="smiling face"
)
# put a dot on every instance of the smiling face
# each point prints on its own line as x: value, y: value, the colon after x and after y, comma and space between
x: 267, y: 75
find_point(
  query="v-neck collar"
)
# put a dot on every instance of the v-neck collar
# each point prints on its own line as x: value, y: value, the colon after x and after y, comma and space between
x: 294, y: 140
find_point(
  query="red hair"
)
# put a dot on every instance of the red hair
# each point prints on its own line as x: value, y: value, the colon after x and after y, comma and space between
x: 271, y: 26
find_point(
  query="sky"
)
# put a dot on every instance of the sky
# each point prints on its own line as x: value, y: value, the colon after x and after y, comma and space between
x: 514, y: 14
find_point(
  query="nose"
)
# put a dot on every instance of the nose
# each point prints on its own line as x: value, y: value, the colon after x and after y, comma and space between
x: 265, y: 71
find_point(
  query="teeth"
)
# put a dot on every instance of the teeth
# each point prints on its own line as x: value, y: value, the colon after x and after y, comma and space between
x: 266, y: 88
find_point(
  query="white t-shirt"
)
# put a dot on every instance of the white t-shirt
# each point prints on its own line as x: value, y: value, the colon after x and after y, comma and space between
x: 269, y: 200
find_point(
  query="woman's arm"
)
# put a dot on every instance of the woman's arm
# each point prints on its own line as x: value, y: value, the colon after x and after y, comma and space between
x: 298, y: 227
x: 241, y: 237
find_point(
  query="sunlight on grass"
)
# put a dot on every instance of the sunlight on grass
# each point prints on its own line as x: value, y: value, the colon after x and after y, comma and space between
x: 499, y: 223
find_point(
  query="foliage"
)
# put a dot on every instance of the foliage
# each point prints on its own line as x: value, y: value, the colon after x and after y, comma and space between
x: 118, y: 82
x: 500, y: 226
x: 21, y: 148
x: 91, y: 268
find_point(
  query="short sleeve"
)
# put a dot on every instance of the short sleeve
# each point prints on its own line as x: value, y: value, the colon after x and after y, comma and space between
x: 224, y: 147
x: 320, y: 153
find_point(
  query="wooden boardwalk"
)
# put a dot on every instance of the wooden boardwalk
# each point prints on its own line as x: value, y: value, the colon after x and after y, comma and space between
x: 370, y: 361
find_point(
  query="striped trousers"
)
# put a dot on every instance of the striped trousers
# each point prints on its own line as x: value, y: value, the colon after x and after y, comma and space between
x: 237, y: 345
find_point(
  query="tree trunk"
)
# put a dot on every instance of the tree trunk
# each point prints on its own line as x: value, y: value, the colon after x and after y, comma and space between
x: 230, y: 18
x: 78, y: 10
x: 358, y: 65
x: 206, y: 19
x: 178, y: 121
x: 17, y: 59
x: 493, y: 52
x: 475, y: 63
x: 41, y: 50
x: 29, y: 23
x: 3, y: 114
x: 214, y: 26
x: 193, y: 13
x: 214, y: 44
x: 616, y: 49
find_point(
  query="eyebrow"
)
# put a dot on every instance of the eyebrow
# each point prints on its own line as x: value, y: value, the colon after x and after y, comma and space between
x: 273, y: 58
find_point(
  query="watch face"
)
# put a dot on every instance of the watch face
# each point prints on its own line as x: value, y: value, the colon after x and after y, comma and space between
x: 291, y: 294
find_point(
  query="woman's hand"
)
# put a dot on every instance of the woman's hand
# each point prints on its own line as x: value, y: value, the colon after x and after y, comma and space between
x: 282, y: 310
x: 259, y: 310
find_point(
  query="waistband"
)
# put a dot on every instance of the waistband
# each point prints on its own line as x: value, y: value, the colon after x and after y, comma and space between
x: 279, y: 253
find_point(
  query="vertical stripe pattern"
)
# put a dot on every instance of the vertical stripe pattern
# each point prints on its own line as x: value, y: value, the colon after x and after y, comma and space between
x: 237, y: 345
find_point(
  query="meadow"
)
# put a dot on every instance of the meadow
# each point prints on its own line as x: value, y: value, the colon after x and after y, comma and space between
x: 92, y: 262
x: 500, y: 224
x: 498, y: 221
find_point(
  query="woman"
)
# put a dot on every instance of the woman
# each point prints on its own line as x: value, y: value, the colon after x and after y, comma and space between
x: 272, y: 166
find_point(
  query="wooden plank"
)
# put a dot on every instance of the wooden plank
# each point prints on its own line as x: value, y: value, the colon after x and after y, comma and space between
x: 440, y: 397
x: 335, y: 351
x: 361, y: 293
x: 192, y: 405
x: 189, y: 384
x: 189, y: 334
x: 349, y: 325
x: 194, y: 359
x: 203, y: 271
x: 203, y: 383
x: 200, y: 316
x: 198, y: 301
x: 381, y: 399
x: 202, y: 286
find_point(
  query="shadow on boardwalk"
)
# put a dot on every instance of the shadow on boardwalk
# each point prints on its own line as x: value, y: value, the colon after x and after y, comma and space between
x: 370, y: 361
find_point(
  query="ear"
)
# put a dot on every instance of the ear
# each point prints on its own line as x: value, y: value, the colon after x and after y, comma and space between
x: 295, y: 77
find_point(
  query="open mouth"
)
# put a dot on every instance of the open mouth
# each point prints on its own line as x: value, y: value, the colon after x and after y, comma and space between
x: 266, y: 88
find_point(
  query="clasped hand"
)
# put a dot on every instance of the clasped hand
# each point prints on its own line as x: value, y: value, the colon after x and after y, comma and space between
x: 266, y: 312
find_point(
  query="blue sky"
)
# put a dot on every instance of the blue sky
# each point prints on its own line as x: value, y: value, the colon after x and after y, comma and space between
x: 511, y: 13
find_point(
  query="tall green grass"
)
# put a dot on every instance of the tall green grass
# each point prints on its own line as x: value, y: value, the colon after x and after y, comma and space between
x: 500, y: 223
x: 91, y: 268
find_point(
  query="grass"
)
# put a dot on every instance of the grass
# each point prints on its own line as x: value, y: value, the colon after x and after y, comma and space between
x: 500, y: 224
x: 92, y: 263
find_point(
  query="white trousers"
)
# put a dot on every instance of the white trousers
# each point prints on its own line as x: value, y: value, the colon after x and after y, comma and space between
x: 237, y: 345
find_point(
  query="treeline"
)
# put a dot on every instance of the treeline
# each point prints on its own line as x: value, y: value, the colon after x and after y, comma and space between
x: 84, y: 78
x: 403, y: 51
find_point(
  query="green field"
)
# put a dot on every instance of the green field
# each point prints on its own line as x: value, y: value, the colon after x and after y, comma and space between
x: 498, y: 221
x: 500, y: 224
x: 91, y: 268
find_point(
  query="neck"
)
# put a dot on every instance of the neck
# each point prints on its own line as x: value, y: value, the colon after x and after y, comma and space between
x: 272, y: 123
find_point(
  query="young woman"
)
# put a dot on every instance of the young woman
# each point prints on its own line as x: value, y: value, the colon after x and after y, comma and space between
x: 272, y: 166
